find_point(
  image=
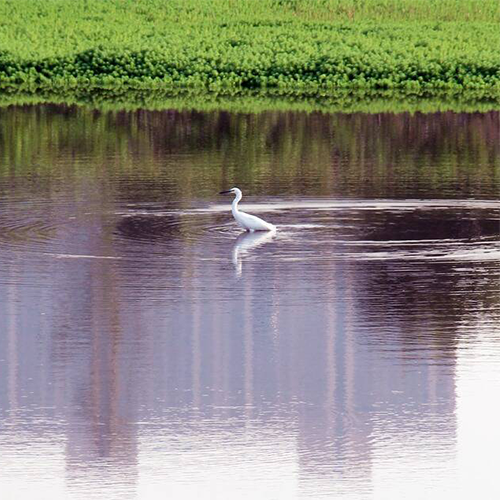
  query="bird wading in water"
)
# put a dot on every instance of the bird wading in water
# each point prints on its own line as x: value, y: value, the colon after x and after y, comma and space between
x: 246, y: 221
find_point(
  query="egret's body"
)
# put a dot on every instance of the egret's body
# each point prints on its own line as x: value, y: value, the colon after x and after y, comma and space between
x: 246, y: 221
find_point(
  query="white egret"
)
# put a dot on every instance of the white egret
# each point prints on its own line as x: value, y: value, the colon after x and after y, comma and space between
x: 246, y: 221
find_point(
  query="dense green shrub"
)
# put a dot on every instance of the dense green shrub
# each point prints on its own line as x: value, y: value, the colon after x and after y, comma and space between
x: 281, y: 47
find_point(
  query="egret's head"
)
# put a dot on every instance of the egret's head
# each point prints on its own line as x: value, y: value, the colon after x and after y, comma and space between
x: 231, y: 191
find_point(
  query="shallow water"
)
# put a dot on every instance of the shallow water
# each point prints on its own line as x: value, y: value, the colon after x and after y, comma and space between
x: 148, y: 348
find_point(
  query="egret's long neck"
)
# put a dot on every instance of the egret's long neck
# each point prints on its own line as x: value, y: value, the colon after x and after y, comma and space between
x: 234, y: 206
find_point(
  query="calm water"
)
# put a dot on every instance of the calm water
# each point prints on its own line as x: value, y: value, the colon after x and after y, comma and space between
x: 148, y: 349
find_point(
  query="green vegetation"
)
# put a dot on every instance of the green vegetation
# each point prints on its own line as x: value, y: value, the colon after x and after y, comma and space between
x: 326, y: 49
x: 251, y: 102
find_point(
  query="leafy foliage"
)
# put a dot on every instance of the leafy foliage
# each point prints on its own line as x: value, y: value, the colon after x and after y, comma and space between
x: 279, y: 47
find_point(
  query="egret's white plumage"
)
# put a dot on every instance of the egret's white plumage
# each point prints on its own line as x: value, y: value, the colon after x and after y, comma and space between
x: 247, y: 221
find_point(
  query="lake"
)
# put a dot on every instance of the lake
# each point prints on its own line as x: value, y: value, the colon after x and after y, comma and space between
x: 150, y: 349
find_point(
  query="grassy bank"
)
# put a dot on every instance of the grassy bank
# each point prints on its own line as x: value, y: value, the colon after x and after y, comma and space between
x: 293, y: 48
x: 250, y: 102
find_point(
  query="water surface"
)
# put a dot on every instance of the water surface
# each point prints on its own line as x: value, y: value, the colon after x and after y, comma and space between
x: 149, y: 349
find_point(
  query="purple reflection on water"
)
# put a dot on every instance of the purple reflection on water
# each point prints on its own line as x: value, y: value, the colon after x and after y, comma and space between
x: 148, y: 348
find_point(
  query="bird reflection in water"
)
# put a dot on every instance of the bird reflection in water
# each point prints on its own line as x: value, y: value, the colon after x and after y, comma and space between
x: 247, y: 242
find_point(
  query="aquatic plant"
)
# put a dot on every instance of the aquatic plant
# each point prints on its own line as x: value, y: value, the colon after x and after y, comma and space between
x: 277, y: 47
x: 253, y: 102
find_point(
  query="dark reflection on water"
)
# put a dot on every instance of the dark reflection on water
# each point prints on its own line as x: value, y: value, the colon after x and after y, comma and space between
x: 149, y: 348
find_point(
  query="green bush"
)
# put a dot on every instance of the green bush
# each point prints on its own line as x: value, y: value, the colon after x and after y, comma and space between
x: 281, y: 47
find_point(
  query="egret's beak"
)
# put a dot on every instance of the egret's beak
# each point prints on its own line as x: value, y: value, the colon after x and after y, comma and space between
x: 225, y: 192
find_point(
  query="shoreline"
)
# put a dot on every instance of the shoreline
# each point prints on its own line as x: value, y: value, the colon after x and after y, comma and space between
x: 254, y: 103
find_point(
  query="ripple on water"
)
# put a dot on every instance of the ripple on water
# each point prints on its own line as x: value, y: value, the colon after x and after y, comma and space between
x: 454, y: 230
